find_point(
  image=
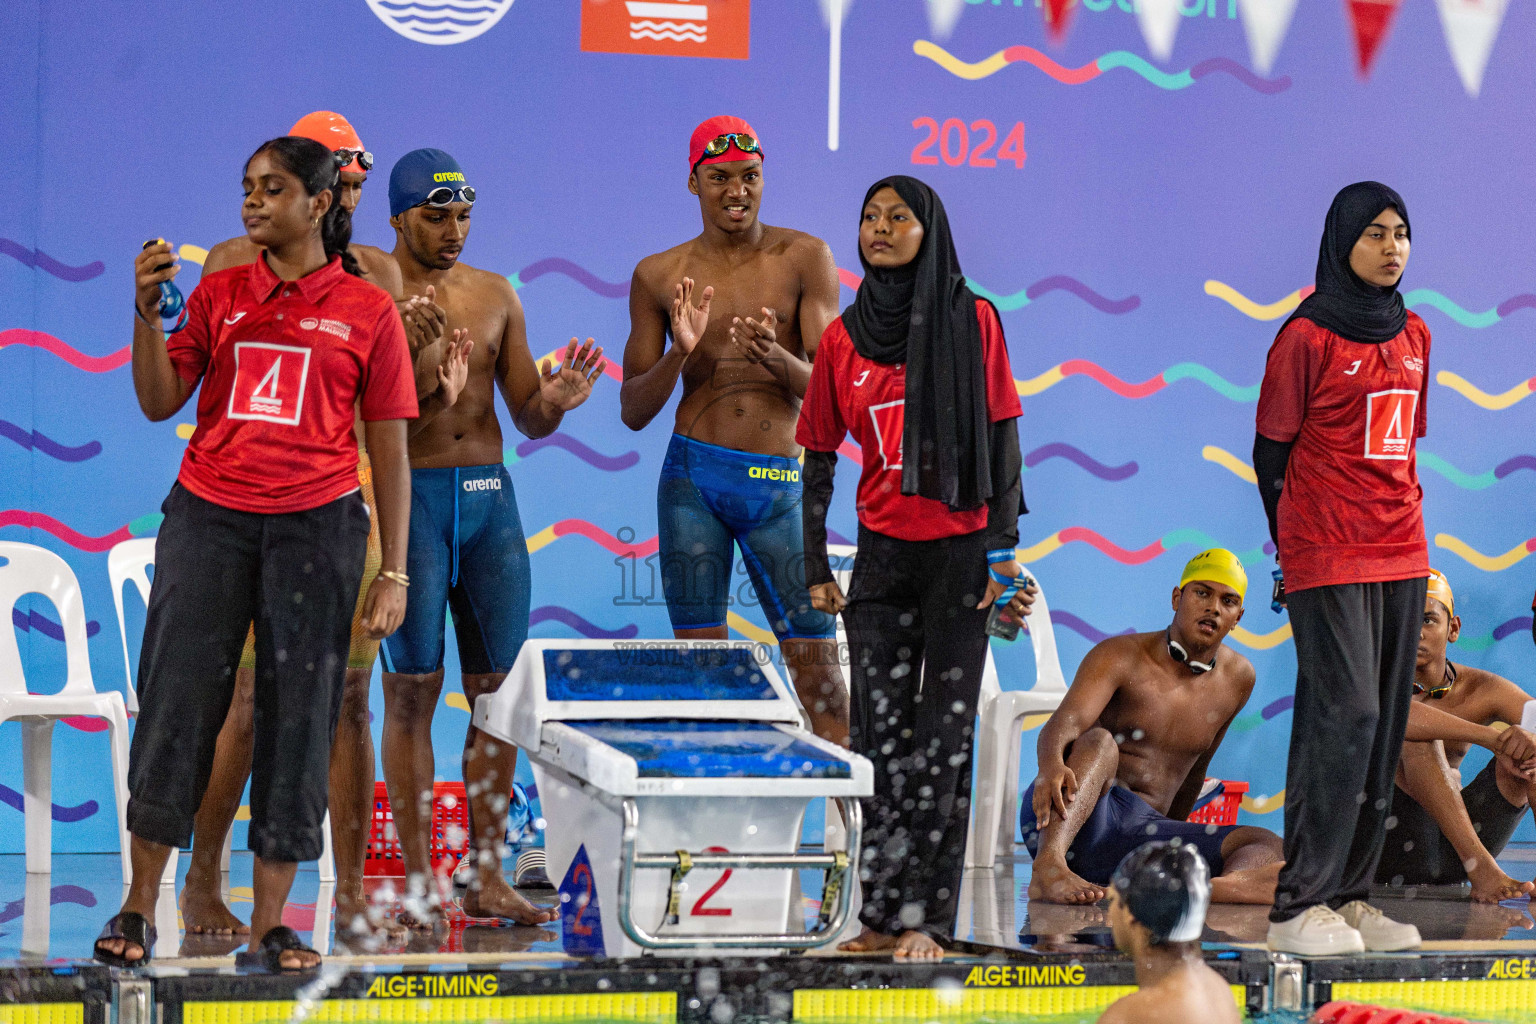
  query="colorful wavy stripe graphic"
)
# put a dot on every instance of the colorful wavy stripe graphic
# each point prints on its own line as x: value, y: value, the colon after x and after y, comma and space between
x: 39, y: 521
x: 32, y: 439
x: 1088, y: 72
x: 1264, y: 804
x: 56, y: 895
x: 581, y: 275
x: 1427, y: 460
x: 1024, y: 296
x: 1127, y: 389
x: 1083, y: 627
x: 1261, y: 641
x: 31, y: 620
x: 612, y: 369
x: 568, y: 618
x: 1226, y: 460
x: 1080, y: 459
x: 1125, y: 556
x: 580, y: 527
x: 1416, y: 297
x: 1520, y: 624
x: 595, y: 459
x: 74, y: 357
x: 60, y: 813
x: 1482, y: 399
x: 40, y: 260
x: 1487, y: 563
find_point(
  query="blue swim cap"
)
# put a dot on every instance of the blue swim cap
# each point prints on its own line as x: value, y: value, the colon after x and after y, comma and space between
x: 419, y: 172
x: 1166, y: 886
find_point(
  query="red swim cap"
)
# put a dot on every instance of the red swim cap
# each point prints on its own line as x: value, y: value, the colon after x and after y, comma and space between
x: 333, y: 132
x: 723, y: 124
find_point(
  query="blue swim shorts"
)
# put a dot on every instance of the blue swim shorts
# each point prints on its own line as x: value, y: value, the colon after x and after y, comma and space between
x: 467, y: 554
x: 712, y: 499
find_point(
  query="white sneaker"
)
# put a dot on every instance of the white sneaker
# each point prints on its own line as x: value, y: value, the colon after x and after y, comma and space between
x: 1380, y: 933
x: 1316, y: 932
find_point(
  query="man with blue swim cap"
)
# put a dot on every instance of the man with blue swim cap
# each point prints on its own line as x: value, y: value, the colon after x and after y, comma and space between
x: 467, y: 550
x: 1157, y: 902
x: 1124, y: 757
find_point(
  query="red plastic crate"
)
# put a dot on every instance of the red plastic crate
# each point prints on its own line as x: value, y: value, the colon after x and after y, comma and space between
x: 450, y: 812
x: 1222, y: 810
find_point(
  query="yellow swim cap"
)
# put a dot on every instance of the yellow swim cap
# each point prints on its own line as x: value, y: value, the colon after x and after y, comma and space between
x: 1440, y: 590
x: 1218, y: 565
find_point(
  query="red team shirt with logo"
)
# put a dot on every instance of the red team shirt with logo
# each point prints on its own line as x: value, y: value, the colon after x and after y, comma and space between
x: 851, y: 394
x: 1352, y: 507
x: 283, y: 364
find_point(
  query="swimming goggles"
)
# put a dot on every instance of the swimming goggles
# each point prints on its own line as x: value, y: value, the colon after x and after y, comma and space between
x: 362, y: 156
x: 443, y: 195
x: 720, y: 143
x: 1436, y: 692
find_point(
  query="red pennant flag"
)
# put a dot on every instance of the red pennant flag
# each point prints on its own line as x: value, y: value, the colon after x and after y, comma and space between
x: 1057, y: 14
x: 1372, y: 19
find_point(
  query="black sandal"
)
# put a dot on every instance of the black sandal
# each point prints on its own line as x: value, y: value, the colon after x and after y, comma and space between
x: 130, y: 927
x: 270, y: 950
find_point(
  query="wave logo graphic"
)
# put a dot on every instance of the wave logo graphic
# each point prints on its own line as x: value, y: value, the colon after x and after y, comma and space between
x: 440, y: 22
x: 682, y: 23
x: 972, y: 71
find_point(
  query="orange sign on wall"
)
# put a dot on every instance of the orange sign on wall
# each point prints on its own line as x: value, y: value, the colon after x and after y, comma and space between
x: 668, y: 28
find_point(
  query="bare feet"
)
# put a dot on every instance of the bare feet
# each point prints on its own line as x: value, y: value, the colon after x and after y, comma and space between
x: 1490, y: 885
x: 365, y: 927
x: 918, y: 946
x: 203, y: 911
x: 491, y: 896
x: 1051, y: 881
x: 868, y: 941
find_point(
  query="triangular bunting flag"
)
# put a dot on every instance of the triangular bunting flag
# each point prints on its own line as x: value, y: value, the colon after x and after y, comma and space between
x: 1159, y: 22
x: 1371, y: 19
x: 1265, y: 22
x: 1057, y: 14
x: 942, y: 15
x: 1471, y: 26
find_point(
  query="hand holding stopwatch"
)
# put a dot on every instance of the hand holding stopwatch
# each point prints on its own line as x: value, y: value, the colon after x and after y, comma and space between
x: 173, y: 305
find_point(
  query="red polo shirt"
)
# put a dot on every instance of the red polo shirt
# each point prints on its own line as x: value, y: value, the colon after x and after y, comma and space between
x: 1352, y: 508
x: 282, y: 365
x: 851, y: 394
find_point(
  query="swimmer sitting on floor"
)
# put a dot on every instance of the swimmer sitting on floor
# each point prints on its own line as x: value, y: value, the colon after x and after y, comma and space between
x: 1124, y: 757
x: 1157, y: 902
x: 1447, y: 834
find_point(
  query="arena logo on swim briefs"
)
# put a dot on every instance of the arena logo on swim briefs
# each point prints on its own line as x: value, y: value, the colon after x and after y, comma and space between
x: 428, y: 986
x: 440, y: 22
x: 701, y: 28
x: 764, y: 473
x: 1000, y: 976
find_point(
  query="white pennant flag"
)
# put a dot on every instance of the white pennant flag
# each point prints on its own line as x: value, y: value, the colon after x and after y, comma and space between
x: 942, y: 15
x: 1265, y: 22
x: 1159, y: 23
x: 1470, y: 27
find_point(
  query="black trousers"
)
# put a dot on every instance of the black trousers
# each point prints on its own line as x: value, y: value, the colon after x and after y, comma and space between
x: 918, y: 645
x: 1356, y: 644
x: 217, y: 570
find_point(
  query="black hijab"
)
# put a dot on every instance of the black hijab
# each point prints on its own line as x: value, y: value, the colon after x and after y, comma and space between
x: 923, y: 315
x: 1343, y: 303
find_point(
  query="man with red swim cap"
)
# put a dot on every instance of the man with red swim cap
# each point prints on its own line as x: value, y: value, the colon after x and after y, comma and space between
x: 745, y: 305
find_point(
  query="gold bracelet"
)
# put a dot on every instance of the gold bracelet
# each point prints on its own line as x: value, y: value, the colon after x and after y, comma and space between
x: 398, y: 577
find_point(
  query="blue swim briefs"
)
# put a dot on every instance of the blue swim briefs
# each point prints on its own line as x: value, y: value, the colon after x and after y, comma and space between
x: 467, y: 553
x: 1121, y: 822
x: 711, y: 499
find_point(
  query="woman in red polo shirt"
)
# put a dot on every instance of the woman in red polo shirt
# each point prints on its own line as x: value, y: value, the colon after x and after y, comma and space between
x: 264, y: 523
x: 917, y: 370
x: 1340, y: 409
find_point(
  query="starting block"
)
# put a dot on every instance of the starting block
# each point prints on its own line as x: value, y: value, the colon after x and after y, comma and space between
x: 674, y: 777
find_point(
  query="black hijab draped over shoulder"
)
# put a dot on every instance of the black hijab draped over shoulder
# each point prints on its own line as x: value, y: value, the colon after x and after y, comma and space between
x: 1344, y: 304
x: 924, y: 315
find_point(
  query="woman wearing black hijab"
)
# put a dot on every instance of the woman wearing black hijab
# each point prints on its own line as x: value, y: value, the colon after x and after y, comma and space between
x: 1340, y: 408
x: 917, y: 370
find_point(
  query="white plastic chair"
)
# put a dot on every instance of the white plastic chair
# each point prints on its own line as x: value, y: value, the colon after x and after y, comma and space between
x: 29, y: 569
x: 995, y: 801
x: 130, y: 561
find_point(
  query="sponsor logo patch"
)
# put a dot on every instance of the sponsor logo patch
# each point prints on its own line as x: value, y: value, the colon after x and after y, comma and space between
x: 667, y: 28
x: 1389, y: 423
x: 269, y: 382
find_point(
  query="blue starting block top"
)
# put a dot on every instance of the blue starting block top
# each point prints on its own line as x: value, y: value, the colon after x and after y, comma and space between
x: 662, y: 674
x: 702, y: 749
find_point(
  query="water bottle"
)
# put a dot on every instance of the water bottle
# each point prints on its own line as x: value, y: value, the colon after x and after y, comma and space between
x: 1277, y: 595
x: 173, y: 305
x: 1006, y: 629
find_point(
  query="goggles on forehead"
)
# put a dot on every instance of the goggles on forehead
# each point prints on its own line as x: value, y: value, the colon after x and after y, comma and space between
x: 362, y: 156
x: 720, y: 143
x: 443, y: 196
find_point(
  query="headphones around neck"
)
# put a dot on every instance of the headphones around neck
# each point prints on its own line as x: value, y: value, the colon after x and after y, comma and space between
x: 1177, y: 652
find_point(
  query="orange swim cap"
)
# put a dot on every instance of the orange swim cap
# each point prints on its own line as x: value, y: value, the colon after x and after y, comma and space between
x: 333, y: 132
